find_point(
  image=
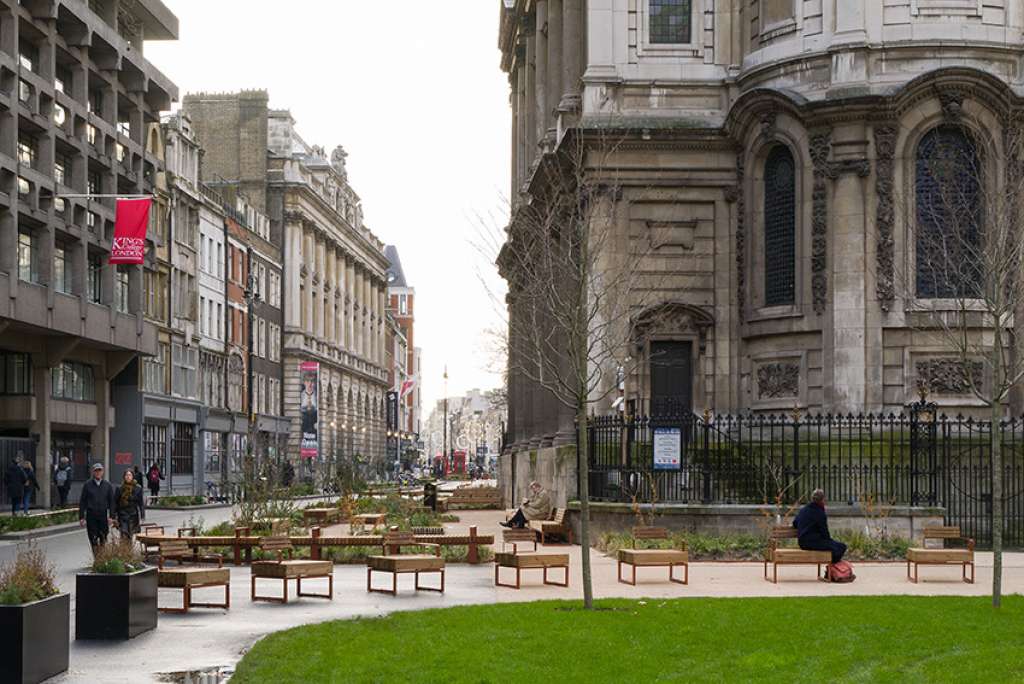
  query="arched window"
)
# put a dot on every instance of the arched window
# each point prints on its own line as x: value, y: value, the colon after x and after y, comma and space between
x: 779, y: 228
x: 947, y: 235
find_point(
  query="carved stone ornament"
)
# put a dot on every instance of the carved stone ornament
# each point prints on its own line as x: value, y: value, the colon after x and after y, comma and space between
x: 949, y: 376
x: 952, y: 102
x: 821, y: 145
x: 778, y: 380
x: 672, y: 319
x: 741, y: 240
x: 885, y: 153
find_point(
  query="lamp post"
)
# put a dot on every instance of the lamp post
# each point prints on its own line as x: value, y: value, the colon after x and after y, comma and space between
x: 252, y: 297
x: 444, y: 438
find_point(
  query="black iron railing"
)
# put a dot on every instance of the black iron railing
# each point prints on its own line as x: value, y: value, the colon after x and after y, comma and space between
x: 919, y: 458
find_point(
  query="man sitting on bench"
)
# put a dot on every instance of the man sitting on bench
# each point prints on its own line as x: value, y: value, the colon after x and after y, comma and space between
x: 811, y: 525
x: 537, y: 507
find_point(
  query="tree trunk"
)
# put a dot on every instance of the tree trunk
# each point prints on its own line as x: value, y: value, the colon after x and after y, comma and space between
x: 997, y: 505
x: 583, y: 473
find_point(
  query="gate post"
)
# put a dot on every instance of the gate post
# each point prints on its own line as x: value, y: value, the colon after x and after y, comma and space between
x: 706, y: 469
x: 922, y: 449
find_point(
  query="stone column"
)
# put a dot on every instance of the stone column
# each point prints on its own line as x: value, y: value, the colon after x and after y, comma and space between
x: 529, y: 93
x: 541, y: 114
x: 308, y: 263
x: 554, y: 89
x: 572, y: 55
x: 350, y: 304
x: 849, y: 286
x: 41, y: 425
x: 321, y: 292
x: 330, y: 316
x: 513, y: 101
x: 521, y: 152
x: 367, y: 319
x: 292, y: 275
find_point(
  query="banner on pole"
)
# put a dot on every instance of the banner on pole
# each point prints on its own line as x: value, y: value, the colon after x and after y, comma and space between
x: 309, y: 394
x: 130, y: 223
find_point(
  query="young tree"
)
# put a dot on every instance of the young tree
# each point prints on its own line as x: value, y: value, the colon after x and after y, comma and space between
x: 965, y: 287
x: 574, y: 280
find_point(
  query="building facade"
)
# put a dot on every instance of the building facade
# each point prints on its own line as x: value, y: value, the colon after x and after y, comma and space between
x: 333, y: 280
x: 77, y: 107
x: 401, y: 306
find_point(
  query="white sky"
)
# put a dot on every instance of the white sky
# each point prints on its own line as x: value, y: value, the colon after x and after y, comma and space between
x: 414, y: 92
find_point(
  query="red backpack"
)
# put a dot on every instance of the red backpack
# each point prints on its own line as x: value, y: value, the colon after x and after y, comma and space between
x: 841, y: 572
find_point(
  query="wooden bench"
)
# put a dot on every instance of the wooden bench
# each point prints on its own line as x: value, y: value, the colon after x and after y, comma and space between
x: 321, y: 516
x: 777, y: 556
x: 190, y: 578
x: 556, y: 525
x: 527, y: 560
x: 284, y: 570
x: 358, y: 522
x: 942, y: 556
x: 472, y: 497
x: 395, y: 563
x: 654, y: 558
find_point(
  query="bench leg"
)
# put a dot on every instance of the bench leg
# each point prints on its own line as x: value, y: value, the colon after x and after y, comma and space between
x: 686, y: 571
x: 557, y: 584
x: 917, y: 572
x: 422, y: 588
x: 775, y: 573
x: 227, y: 597
x: 330, y: 587
x: 184, y: 604
x: 969, y: 581
x: 499, y: 583
x: 272, y: 599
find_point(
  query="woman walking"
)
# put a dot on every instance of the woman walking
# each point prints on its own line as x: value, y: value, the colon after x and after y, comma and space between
x: 131, y: 509
x: 154, y: 476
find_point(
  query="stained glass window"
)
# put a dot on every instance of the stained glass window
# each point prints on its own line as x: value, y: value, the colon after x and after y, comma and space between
x: 947, y: 240
x: 779, y: 228
x: 670, y: 21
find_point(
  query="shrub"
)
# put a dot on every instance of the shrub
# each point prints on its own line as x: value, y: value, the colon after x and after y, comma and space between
x: 117, y: 558
x: 35, y: 521
x: 177, y: 501
x: 29, y: 577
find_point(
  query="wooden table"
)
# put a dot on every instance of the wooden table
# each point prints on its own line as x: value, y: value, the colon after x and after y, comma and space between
x: 363, y: 520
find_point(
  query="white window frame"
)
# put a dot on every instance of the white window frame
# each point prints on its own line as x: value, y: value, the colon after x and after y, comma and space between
x: 694, y: 48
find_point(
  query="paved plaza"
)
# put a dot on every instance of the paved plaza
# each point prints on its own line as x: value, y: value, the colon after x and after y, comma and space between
x: 208, y: 639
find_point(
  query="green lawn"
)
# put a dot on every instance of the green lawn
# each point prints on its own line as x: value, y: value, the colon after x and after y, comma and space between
x: 849, y: 639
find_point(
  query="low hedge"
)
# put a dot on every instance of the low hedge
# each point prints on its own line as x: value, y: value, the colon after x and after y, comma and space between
x: 37, y: 520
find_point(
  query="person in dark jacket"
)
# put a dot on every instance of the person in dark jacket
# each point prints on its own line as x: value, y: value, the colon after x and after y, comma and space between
x: 131, y: 510
x: 97, y: 506
x: 154, y: 476
x: 811, y: 525
x: 62, y: 480
x: 31, y: 484
x: 16, y: 481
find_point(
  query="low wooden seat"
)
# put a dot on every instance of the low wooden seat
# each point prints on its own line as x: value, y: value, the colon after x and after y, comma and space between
x: 788, y: 556
x: 557, y: 525
x: 472, y: 497
x: 942, y: 556
x: 394, y: 562
x: 284, y: 570
x: 190, y: 578
x: 527, y: 560
x: 321, y: 515
x: 653, y: 558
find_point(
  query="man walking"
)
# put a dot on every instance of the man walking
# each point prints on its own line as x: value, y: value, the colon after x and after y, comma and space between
x: 96, y: 507
x: 16, y: 481
x: 62, y: 480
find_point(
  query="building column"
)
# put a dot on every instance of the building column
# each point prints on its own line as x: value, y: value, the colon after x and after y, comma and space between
x: 330, y: 265
x: 572, y: 55
x: 521, y: 151
x: 554, y: 86
x: 529, y: 94
x: 320, y: 278
x: 367, y: 319
x: 541, y: 114
x: 292, y: 276
x: 308, y: 263
x: 360, y: 315
x: 41, y: 425
x: 382, y: 306
x: 350, y: 304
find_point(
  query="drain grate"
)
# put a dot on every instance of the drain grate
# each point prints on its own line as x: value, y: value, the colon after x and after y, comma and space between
x: 209, y: 675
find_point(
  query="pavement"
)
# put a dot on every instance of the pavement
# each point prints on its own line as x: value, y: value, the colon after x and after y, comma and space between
x: 214, y: 640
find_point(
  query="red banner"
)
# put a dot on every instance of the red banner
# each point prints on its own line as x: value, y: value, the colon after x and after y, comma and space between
x: 130, y: 224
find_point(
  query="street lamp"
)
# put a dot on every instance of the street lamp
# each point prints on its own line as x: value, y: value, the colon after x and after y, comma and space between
x: 252, y: 297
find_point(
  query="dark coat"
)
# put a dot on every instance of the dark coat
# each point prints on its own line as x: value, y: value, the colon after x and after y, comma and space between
x: 97, y: 500
x: 811, y: 525
x: 16, y: 481
x: 135, y: 508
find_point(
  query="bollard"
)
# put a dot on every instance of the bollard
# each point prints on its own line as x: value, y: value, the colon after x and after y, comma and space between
x: 314, y: 544
x: 473, y: 556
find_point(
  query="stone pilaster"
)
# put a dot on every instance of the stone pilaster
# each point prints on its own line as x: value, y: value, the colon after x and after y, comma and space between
x: 555, y: 48
x: 572, y: 57
x: 541, y: 112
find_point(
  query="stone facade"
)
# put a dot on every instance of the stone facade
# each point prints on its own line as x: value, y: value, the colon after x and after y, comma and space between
x: 842, y: 93
x: 334, y: 285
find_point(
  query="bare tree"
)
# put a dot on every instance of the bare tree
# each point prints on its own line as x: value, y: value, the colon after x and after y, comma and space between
x: 963, y: 284
x: 574, y: 289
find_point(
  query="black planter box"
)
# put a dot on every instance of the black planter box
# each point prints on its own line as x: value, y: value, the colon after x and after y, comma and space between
x: 35, y: 640
x: 115, y: 606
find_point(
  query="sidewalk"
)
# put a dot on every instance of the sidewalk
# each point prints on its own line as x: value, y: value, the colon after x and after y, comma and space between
x: 212, y: 638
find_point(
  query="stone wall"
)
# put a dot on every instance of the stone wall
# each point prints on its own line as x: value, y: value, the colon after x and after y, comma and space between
x: 553, y: 467
x: 900, y: 521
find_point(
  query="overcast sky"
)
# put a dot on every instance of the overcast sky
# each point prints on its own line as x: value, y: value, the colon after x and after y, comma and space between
x: 414, y: 92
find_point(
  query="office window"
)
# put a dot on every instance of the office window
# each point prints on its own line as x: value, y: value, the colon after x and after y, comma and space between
x: 91, y: 134
x: 59, y: 205
x: 61, y: 165
x: 24, y: 91
x: 125, y: 128
x: 403, y: 305
x: 236, y: 383
x: 28, y: 257
x: 779, y: 227
x: 214, y: 448
x: 154, y: 371
x: 63, y: 79
x: 154, y: 447
x: 28, y: 55
x: 92, y: 221
x: 72, y: 381
x: 95, y: 103
x: 263, y: 339
x: 61, y: 268
x: 60, y: 115
x: 156, y: 295
x: 182, y: 448
x: 219, y: 333
x: 121, y: 289
x: 95, y: 183
x: 95, y: 284
x: 15, y: 373
x: 28, y: 150
x: 183, y: 371
x: 670, y: 21
x: 24, y: 188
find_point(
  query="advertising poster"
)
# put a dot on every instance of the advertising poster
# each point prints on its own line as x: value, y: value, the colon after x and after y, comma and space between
x: 668, y: 448
x: 309, y: 376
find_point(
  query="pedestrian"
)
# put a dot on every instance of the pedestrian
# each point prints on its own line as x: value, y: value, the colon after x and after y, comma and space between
x: 811, y: 525
x: 62, y: 480
x: 153, y: 477
x: 131, y: 510
x: 537, y: 507
x: 96, y: 507
x: 16, y: 483
x: 137, y: 474
x: 31, y: 485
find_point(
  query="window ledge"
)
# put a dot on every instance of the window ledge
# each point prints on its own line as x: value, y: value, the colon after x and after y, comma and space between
x: 771, y: 313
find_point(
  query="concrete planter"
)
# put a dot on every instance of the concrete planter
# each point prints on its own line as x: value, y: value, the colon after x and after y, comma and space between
x: 115, y: 606
x: 36, y: 639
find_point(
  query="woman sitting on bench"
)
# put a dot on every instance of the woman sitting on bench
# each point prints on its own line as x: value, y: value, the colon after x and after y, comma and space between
x: 811, y: 525
x: 537, y: 507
